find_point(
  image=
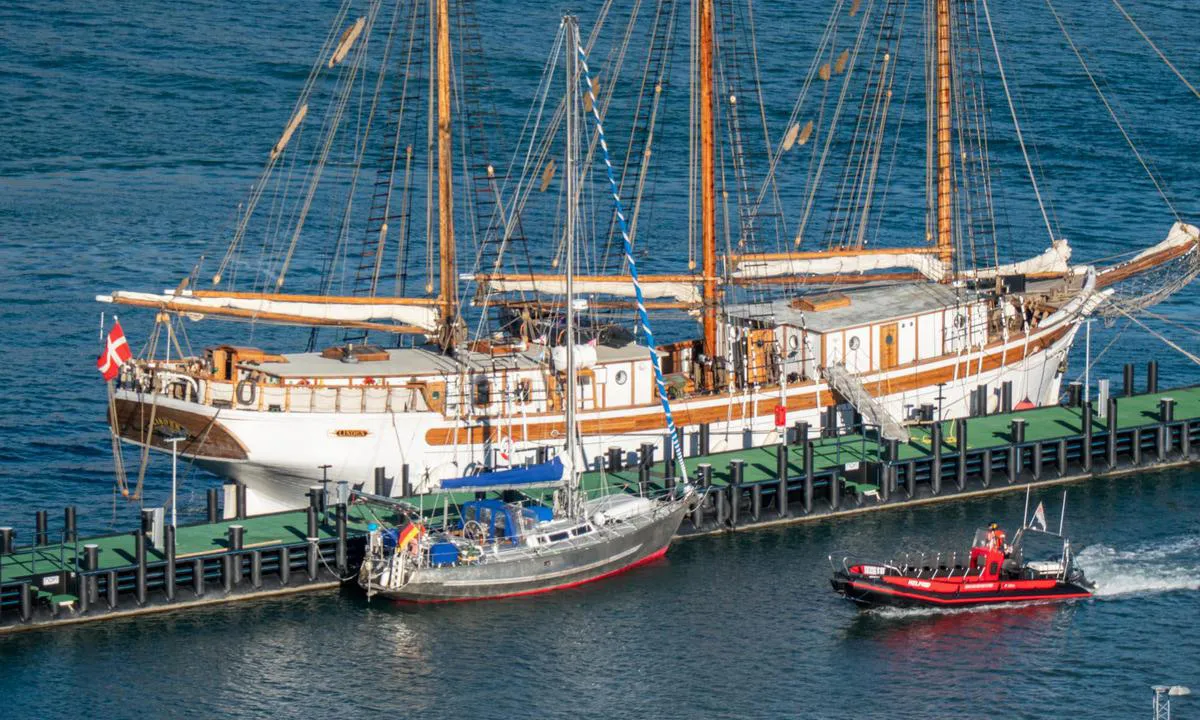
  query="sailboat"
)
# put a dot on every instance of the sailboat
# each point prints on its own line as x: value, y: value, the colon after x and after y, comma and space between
x: 501, y: 549
x: 842, y: 335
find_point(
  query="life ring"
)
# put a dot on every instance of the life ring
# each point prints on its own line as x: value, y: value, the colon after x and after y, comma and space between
x: 246, y: 392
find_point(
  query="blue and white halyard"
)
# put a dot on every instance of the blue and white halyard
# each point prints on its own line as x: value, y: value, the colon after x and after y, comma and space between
x: 643, y: 318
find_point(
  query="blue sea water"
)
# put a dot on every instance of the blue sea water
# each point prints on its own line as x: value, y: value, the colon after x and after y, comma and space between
x: 131, y: 131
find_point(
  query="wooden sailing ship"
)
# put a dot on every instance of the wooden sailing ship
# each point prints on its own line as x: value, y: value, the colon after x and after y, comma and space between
x: 849, y: 330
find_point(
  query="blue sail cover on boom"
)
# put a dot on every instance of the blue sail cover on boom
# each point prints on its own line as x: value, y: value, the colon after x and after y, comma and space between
x: 543, y: 474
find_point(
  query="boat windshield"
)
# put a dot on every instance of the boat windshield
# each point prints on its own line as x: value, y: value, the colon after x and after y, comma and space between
x: 981, y: 538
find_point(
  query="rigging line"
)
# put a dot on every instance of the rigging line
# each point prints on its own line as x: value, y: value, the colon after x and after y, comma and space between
x: 829, y: 137
x: 1153, y: 178
x: 1155, y: 47
x: 1156, y: 334
x: 987, y: 14
x: 644, y: 320
x: 1169, y: 321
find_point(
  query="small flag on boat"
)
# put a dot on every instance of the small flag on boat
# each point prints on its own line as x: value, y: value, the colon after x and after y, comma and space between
x: 1039, y: 518
x: 409, y: 533
x: 115, y: 353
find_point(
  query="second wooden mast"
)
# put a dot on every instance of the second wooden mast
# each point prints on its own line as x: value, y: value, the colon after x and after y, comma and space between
x: 708, y: 193
x: 945, y: 156
x: 447, y: 270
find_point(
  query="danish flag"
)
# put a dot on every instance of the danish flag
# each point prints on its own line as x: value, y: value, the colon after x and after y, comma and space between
x: 116, y: 353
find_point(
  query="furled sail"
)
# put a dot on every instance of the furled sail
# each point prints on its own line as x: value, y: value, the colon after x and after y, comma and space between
x: 837, y: 263
x: 620, y: 286
x: 317, y: 309
x: 1055, y: 260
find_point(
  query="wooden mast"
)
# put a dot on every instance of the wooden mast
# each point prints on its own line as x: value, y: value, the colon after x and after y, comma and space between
x: 945, y: 158
x: 708, y: 192
x: 447, y: 273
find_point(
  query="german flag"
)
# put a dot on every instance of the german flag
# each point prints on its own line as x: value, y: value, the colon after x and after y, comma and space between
x: 408, y: 534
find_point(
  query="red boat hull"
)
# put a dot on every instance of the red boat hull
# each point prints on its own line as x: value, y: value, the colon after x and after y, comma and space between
x: 904, y: 591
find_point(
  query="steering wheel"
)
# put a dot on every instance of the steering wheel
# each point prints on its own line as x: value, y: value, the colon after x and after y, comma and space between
x: 473, y: 531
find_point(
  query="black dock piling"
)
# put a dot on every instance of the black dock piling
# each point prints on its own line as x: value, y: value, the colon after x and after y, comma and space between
x: 139, y: 554
x: 382, y: 483
x: 316, y: 498
x: 111, y: 590
x: 6, y: 540
x: 643, y: 479
x: 985, y: 470
x: 1128, y: 378
x: 781, y: 474
x: 169, y: 568
x: 342, y: 565
x: 256, y: 569
x: 960, y: 438
x: 756, y: 501
x: 1061, y: 458
x: 1135, y: 446
x: 830, y: 421
x: 801, y: 433
x: 26, y: 602
x: 705, y: 438
x: 285, y: 566
x: 1085, y: 419
x: 1152, y: 376
x: 240, y: 489
x: 705, y: 475
x: 1037, y: 452
x: 406, y: 489
x: 213, y: 509
x: 808, y: 476
x: 1111, y: 444
x: 722, y: 505
x: 1074, y: 394
x: 737, y: 470
x: 41, y: 534
x: 91, y: 563
x: 935, y: 465
x: 198, y: 577
x: 910, y: 478
x: 835, y: 491
x: 614, y: 459
x: 228, y: 565
x: 70, y: 534
x: 237, y: 537
x: 646, y: 455
x: 982, y: 392
x: 1016, y: 434
x: 1006, y: 403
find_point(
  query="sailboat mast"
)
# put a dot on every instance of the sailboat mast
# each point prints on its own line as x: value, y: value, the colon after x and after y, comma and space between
x: 447, y: 274
x: 708, y: 185
x: 945, y: 158
x: 572, y: 108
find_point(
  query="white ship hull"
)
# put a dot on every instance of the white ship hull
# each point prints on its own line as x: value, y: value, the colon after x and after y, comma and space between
x: 285, y: 451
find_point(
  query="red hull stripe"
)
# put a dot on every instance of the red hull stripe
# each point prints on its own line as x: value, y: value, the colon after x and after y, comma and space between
x: 961, y: 601
x: 575, y: 583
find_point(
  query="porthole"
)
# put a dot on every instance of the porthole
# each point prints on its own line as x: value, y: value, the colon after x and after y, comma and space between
x: 888, y: 339
x: 622, y: 377
x: 960, y: 320
x: 793, y: 342
x: 854, y: 343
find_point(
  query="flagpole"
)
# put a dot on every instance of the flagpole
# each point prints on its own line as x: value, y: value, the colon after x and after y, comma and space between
x: 1063, y: 515
x: 1025, y: 518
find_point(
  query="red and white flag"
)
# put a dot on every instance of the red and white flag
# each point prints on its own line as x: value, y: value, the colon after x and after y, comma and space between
x: 1039, y: 518
x: 115, y: 353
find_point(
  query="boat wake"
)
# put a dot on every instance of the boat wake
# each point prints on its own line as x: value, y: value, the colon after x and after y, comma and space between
x: 1152, y: 568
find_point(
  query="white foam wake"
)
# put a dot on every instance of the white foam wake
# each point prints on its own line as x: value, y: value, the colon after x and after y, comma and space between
x: 1164, y: 566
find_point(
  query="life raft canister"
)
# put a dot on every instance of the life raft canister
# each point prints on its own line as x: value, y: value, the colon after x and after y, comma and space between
x: 780, y: 416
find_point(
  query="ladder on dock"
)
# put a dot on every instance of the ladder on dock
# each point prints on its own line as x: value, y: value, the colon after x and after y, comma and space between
x: 851, y: 388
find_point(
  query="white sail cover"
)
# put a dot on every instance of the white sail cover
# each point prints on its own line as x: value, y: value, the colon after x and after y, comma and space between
x: 1181, y: 234
x: 1056, y: 259
x: 681, y: 291
x: 425, y: 317
x: 865, y: 261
